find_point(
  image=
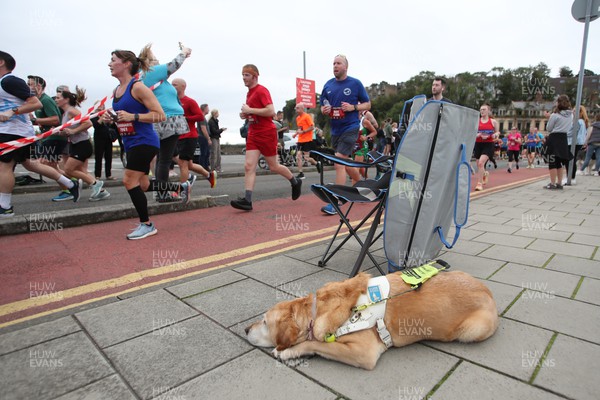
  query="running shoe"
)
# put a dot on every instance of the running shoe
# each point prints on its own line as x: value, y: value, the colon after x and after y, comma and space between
x: 510, y: 171
x: 479, y: 187
x: 486, y: 177
x: 300, y: 175
x: 142, y: 231
x: 241, y: 204
x: 76, y: 190
x: 192, y: 178
x: 296, y: 189
x: 186, y: 192
x: 167, y: 197
x: 328, y: 209
x: 63, y: 196
x: 212, y: 179
x: 6, y: 212
x: 96, y: 188
x: 101, y: 196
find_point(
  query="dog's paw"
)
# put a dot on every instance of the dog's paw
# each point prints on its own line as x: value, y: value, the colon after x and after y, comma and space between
x: 286, y: 354
x: 289, y: 357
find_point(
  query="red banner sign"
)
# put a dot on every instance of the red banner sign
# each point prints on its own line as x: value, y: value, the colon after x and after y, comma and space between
x: 305, y: 92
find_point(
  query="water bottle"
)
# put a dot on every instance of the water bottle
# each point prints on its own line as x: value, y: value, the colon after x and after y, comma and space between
x: 326, y: 103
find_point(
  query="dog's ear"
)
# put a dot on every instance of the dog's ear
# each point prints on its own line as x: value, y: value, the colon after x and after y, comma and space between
x: 287, y: 333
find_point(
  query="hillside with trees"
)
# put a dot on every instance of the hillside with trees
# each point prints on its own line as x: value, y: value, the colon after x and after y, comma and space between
x: 499, y: 86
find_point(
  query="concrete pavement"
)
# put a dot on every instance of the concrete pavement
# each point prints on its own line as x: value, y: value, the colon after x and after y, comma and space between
x: 537, y: 251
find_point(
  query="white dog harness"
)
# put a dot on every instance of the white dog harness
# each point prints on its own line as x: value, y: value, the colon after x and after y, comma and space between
x: 368, y: 312
x: 370, y: 307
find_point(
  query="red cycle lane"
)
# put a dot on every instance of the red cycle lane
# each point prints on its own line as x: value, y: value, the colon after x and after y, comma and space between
x: 48, y: 271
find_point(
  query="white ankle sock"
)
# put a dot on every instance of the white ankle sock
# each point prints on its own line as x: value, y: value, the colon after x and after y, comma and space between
x: 5, y: 199
x: 63, y: 180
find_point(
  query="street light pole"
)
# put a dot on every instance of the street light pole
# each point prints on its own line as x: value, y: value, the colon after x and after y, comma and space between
x: 575, y: 128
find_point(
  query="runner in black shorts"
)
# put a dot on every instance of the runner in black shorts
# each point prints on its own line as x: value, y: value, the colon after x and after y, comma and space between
x: 186, y: 145
x: 139, y: 158
x: 484, y: 144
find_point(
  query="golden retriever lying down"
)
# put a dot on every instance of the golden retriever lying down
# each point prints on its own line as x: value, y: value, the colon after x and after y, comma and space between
x: 449, y: 306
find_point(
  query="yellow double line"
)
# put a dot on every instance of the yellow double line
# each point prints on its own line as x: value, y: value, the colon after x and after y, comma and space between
x: 281, y: 245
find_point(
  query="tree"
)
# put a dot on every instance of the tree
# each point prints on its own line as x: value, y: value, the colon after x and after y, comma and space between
x: 565, y: 72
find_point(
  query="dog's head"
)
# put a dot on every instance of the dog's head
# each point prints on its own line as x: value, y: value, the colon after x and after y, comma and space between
x: 282, y: 326
x: 288, y: 322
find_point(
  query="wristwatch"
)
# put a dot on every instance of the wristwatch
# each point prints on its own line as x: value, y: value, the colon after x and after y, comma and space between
x: 15, y: 110
x: 355, y: 107
x: 136, y: 117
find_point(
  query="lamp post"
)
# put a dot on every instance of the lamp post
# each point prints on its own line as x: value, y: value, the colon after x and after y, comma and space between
x: 583, y: 11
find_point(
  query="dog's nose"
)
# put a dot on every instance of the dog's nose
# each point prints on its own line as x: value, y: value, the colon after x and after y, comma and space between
x: 247, y: 329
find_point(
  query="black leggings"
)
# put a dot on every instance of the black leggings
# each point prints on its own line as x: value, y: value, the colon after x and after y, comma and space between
x: 102, y: 149
x: 165, y: 156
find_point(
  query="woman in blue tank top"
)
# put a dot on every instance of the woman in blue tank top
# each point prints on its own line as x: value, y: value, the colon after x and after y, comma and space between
x: 136, y: 110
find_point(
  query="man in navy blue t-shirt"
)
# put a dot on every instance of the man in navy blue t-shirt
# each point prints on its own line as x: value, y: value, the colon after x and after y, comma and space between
x: 342, y: 99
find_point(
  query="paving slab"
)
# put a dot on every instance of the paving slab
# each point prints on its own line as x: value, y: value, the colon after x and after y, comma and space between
x: 519, y: 256
x: 343, y: 261
x: 467, y: 234
x: 571, y: 317
x: 568, y: 249
x: 548, y: 213
x: 35, y: 334
x: 503, y: 294
x: 123, y: 320
x: 514, y: 349
x: 414, y: 367
x: 311, y: 283
x: 204, y: 284
x: 477, y: 266
x: 539, y: 279
x: 504, y: 240
x: 485, y: 227
x: 543, y: 232
x: 236, y: 302
x: 52, y: 368
x: 111, y: 387
x: 575, y: 265
x: 252, y: 376
x: 585, y: 230
x: 488, y: 219
x: 277, y: 270
x: 590, y: 240
x: 589, y: 291
x: 158, y: 361
x: 471, y: 381
x: 571, y: 369
x: 470, y: 248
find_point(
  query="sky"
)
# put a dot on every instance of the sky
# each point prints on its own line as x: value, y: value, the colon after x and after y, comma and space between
x: 384, y: 40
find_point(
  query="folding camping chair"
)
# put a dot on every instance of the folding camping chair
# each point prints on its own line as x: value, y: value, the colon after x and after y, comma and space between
x: 430, y: 178
x: 365, y: 191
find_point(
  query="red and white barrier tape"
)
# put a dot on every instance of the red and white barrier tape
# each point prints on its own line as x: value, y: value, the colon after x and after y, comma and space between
x: 7, y: 147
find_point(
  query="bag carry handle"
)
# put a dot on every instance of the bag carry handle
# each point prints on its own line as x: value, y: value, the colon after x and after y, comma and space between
x: 463, y: 165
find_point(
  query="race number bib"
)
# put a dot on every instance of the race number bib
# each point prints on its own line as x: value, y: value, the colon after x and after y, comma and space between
x: 337, y: 113
x: 126, y: 128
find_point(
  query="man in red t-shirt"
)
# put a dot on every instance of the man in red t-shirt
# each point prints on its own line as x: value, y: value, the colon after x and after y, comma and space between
x: 186, y: 145
x: 306, y: 126
x: 262, y: 138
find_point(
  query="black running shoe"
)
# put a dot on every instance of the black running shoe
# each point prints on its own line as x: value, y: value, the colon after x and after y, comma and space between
x: 75, y: 190
x: 296, y: 189
x: 241, y: 204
